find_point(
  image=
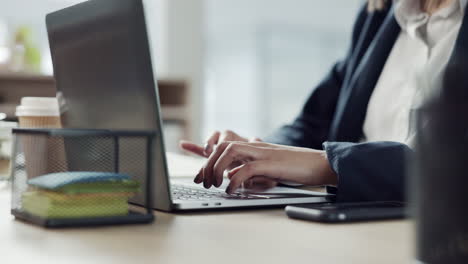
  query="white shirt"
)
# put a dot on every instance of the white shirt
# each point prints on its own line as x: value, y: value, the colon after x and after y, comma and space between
x: 413, y: 70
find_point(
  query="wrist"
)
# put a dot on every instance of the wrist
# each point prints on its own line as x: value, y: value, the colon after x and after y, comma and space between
x: 327, y: 174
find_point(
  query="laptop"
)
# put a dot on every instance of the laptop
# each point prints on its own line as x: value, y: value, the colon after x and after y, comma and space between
x: 103, y: 70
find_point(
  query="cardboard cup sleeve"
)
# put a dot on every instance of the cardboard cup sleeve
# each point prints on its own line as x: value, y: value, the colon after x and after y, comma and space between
x: 42, y: 155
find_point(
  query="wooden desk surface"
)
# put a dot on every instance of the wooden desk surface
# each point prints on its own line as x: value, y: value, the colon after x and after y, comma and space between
x: 255, y: 236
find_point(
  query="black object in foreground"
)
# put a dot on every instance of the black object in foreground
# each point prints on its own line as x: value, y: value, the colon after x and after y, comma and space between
x: 347, y: 212
x: 440, y: 181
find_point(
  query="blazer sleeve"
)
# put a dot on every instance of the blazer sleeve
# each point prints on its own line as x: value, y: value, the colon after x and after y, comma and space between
x: 372, y: 171
x: 311, y: 127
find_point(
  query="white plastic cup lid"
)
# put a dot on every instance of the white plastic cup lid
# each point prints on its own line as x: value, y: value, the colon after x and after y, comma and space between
x: 38, y: 106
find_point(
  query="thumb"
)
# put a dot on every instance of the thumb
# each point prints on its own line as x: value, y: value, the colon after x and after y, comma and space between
x: 192, y: 147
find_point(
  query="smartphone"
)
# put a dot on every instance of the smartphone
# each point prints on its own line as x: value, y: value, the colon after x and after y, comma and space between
x: 347, y: 212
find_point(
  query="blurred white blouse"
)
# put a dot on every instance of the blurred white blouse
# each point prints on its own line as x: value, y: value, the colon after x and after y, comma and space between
x: 413, y: 70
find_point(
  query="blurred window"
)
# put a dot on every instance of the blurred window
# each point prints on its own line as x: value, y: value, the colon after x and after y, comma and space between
x: 264, y: 57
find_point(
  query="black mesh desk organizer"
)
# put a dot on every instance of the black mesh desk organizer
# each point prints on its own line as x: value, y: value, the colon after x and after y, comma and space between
x: 63, y: 152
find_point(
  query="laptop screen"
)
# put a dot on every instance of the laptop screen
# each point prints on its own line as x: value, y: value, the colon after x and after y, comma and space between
x: 103, y: 70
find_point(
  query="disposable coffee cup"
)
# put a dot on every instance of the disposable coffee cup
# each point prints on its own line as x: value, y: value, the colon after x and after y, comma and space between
x: 42, y: 155
x: 39, y: 112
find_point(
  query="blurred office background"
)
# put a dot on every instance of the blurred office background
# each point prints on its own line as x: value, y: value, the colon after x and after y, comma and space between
x: 247, y: 65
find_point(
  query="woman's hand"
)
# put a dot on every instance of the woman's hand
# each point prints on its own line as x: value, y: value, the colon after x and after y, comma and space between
x: 270, y: 161
x: 216, y: 138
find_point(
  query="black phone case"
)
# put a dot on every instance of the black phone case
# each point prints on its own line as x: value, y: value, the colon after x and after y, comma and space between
x: 354, y: 214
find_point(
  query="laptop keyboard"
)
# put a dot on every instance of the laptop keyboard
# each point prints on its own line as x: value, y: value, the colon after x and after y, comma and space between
x: 188, y: 193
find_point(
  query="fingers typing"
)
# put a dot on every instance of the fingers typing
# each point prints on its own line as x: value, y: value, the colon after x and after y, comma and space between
x: 248, y: 172
x: 210, y: 143
x: 207, y: 170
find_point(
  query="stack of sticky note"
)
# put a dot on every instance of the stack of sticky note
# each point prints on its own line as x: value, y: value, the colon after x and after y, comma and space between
x: 79, y: 195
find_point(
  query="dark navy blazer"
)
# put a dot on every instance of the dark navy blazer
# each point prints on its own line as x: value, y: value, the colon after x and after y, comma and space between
x: 333, y: 115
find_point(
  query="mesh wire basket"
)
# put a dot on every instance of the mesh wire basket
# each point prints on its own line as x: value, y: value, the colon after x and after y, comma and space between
x: 66, y: 177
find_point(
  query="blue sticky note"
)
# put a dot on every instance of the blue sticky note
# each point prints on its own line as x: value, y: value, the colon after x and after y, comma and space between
x: 57, y: 180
